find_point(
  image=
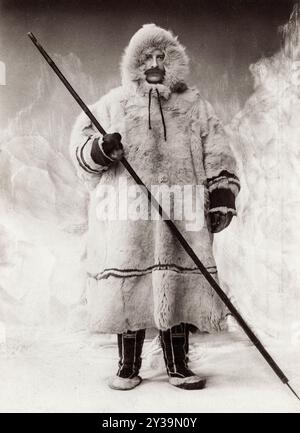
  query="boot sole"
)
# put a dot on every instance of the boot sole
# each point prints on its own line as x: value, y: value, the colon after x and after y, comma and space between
x: 125, y: 384
x: 200, y: 384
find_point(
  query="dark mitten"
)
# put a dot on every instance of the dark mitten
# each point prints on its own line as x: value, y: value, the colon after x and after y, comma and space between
x: 112, y: 146
x: 108, y: 150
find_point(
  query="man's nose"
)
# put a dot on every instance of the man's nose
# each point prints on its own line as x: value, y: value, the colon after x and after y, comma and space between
x: 154, y: 62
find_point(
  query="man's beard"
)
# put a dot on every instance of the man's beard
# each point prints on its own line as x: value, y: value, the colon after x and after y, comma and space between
x: 155, y: 75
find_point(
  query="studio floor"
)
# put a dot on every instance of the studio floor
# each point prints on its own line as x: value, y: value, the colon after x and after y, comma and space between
x: 56, y: 372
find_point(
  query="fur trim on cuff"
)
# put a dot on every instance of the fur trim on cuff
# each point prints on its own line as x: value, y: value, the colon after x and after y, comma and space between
x: 233, y: 185
x: 223, y: 209
x: 224, y: 180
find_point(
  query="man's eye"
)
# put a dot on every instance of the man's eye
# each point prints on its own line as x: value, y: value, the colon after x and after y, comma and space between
x: 147, y: 56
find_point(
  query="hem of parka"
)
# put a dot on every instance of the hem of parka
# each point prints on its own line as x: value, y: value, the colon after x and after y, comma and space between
x: 159, y: 300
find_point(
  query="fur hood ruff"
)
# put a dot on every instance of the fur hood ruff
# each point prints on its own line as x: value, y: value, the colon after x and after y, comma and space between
x: 176, y: 61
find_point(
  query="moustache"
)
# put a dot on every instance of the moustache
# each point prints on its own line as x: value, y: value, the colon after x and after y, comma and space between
x: 155, y: 71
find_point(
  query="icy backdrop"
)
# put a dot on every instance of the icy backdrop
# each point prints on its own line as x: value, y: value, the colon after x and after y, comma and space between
x: 259, y: 256
x: 43, y: 205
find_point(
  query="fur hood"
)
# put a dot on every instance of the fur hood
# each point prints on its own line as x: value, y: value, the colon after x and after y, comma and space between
x: 176, y: 61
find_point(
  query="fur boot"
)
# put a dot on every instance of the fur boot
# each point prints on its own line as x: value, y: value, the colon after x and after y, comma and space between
x: 130, y: 345
x: 175, y: 344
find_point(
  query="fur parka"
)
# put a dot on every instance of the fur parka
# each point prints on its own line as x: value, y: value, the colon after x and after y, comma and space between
x: 138, y: 274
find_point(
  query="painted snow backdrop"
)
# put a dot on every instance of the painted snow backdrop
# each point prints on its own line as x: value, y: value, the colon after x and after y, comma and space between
x: 259, y: 257
x: 42, y: 250
x: 43, y: 208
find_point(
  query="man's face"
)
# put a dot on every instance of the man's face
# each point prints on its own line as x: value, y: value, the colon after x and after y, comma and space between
x: 154, y: 66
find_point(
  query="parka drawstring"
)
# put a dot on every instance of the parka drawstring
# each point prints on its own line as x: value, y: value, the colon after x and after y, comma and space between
x: 149, y: 109
x: 162, y: 115
x: 161, y: 112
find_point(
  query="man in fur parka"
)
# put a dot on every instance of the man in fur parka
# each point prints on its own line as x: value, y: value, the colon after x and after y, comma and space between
x: 139, y: 276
